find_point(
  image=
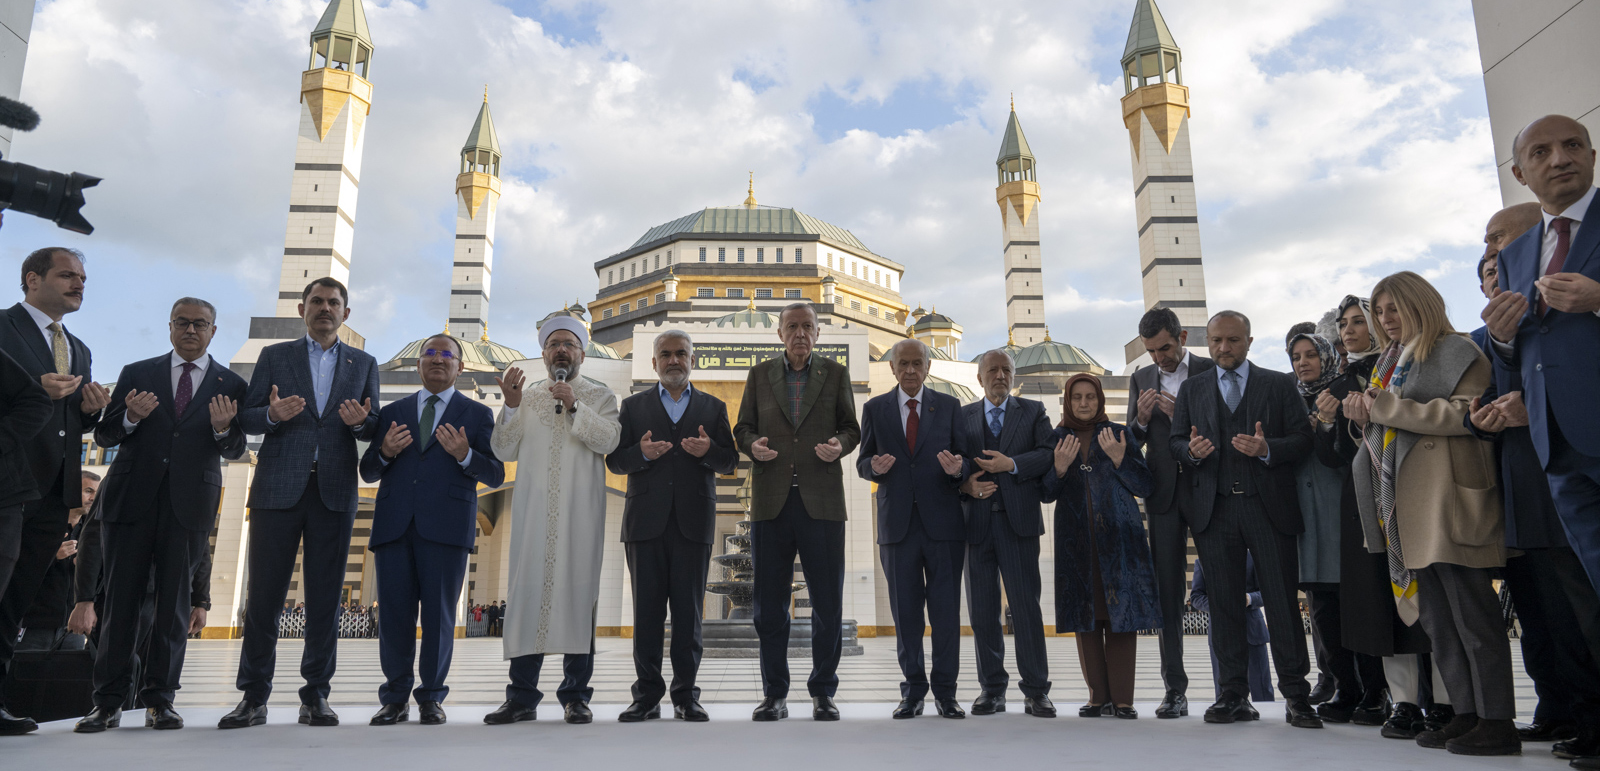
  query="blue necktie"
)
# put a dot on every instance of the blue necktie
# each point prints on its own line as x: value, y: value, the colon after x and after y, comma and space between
x: 1230, y: 389
x: 994, y: 420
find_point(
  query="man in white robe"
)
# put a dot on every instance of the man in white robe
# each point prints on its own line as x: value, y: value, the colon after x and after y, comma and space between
x: 558, y: 431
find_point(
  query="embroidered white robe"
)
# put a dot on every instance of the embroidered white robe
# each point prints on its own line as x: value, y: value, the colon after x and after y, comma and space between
x: 558, y: 515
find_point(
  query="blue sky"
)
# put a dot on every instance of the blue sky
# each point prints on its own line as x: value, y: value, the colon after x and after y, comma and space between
x: 1333, y: 144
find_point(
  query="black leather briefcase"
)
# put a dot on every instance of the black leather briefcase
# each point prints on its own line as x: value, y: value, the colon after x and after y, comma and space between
x: 51, y: 684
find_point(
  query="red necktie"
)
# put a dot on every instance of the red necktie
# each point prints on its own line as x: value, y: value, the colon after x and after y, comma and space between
x: 911, y: 425
x: 181, y: 399
x: 1558, y: 260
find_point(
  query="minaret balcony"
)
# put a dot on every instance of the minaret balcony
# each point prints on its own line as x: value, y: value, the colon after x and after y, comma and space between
x: 478, y: 179
x: 342, y: 81
x: 1155, y: 95
x: 1005, y: 191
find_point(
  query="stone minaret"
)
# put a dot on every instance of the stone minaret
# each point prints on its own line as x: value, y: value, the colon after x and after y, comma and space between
x: 335, y: 97
x: 1154, y: 110
x: 477, y: 199
x: 1018, y: 196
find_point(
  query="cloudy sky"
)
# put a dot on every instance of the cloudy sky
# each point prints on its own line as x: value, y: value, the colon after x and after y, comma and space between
x: 1334, y: 142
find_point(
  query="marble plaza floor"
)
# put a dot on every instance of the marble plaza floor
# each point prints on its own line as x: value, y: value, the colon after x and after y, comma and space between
x: 730, y: 687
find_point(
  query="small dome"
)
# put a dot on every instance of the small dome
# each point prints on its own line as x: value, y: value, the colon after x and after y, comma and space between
x: 600, y: 351
x: 829, y: 279
x: 501, y: 356
x: 933, y: 321
x: 919, y: 312
x: 748, y: 317
x: 1051, y: 355
x: 473, y: 357
x: 939, y: 384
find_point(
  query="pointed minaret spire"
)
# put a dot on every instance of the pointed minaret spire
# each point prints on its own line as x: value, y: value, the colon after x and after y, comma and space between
x: 477, y: 198
x: 1155, y: 110
x: 1018, y: 197
x: 750, y: 200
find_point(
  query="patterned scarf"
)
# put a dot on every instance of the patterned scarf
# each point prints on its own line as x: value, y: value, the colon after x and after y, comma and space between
x: 1389, y: 374
x: 1330, y: 364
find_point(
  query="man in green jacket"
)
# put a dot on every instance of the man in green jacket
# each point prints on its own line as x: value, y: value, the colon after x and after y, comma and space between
x: 796, y: 421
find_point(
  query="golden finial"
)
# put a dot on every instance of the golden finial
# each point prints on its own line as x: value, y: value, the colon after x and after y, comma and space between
x: 1011, y: 340
x: 1013, y: 101
x: 752, y: 305
x: 486, y: 93
x: 1047, y: 334
x: 485, y: 337
x: 750, y: 200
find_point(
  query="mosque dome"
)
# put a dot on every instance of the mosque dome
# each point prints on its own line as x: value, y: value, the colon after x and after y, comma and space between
x: 480, y: 356
x: 746, y: 220
x: 749, y: 317
x: 1052, y: 356
x: 948, y: 388
x: 934, y: 321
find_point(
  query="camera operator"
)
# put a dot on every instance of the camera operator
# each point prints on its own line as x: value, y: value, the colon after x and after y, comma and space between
x: 33, y: 335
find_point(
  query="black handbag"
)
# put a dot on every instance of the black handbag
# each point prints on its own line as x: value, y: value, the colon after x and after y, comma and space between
x: 51, y: 684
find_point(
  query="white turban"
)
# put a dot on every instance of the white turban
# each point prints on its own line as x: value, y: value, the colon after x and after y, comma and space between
x: 568, y: 323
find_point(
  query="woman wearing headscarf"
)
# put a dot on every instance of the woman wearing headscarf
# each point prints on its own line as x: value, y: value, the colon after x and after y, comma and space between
x: 1105, y: 581
x: 1430, y: 504
x: 1358, y: 678
x: 1369, y: 622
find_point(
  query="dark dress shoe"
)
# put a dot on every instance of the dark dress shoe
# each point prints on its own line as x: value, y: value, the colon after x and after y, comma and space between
x: 1038, y: 706
x: 1338, y: 709
x: 770, y: 710
x: 163, y: 718
x: 1457, y: 727
x: 1547, y: 730
x: 98, y: 719
x: 1127, y: 713
x: 1438, y: 716
x: 1586, y: 745
x: 823, y: 708
x: 11, y: 725
x: 1405, y: 722
x: 1323, y: 692
x: 949, y: 708
x: 907, y: 709
x: 1173, y: 706
x: 390, y: 714
x: 1586, y: 763
x: 318, y: 713
x: 510, y: 712
x: 988, y: 704
x: 248, y: 713
x: 430, y: 713
x: 1300, y: 714
x: 1488, y: 737
x: 1373, y: 709
x: 1230, y: 708
x: 577, y: 713
x: 691, y: 712
x: 1093, y: 710
x: 638, y: 712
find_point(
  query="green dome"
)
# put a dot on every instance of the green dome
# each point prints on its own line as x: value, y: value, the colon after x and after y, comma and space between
x: 749, y: 317
x: 948, y: 388
x: 1053, y: 356
x: 473, y: 358
x: 934, y: 321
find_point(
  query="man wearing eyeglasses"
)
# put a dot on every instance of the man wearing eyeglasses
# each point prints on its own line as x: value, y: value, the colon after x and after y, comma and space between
x: 434, y: 453
x: 174, y: 418
x: 313, y: 399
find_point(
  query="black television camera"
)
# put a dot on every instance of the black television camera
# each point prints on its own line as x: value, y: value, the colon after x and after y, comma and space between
x: 43, y: 193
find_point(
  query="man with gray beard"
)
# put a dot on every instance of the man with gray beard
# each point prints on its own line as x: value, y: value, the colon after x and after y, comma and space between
x: 675, y: 441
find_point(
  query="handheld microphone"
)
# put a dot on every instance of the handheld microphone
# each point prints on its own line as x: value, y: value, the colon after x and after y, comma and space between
x: 561, y: 377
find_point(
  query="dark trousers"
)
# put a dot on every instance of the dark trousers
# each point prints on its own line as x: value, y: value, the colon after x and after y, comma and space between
x: 1260, y: 666
x: 159, y: 546
x: 1107, y: 659
x: 10, y: 542
x: 1169, y: 551
x: 1353, y: 673
x: 774, y: 544
x: 1461, y: 613
x: 1004, y: 555
x: 576, y: 669
x: 414, y: 572
x: 275, y: 537
x: 922, y: 572
x: 1239, y: 526
x: 668, y: 571
x: 44, y: 523
x: 1554, y: 651
x: 1575, y: 486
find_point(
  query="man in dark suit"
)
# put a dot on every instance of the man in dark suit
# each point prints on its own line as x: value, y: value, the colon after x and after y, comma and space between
x: 675, y: 441
x: 1004, y: 523
x: 34, y: 336
x: 173, y: 417
x: 1241, y: 434
x: 424, y: 525
x: 797, y: 418
x: 312, y: 399
x: 913, y: 446
x: 25, y: 408
x: 1153, y: 394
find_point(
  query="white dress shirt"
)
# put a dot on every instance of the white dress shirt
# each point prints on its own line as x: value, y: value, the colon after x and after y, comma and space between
x: 1168, y: 383
x: 438, y: 417
x: 176, y: 362
x: 1547, y: 252
x: 44, y: 323
x: 905, y: 411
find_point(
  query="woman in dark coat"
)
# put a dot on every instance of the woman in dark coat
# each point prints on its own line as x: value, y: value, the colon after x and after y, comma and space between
x: 1369, y: 623
x: 1105, y: 582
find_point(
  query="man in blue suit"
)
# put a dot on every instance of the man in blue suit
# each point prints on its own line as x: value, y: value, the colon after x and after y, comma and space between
x: 913, y: 445
x: 1004, y: 524
x: 424, y: 524
x: 312, y: 399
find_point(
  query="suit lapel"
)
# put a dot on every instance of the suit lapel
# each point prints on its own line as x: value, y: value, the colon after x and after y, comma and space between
x: 975, y: 426
x: 892, y: 407
x: 343, y: 367
x: 814, y: 382
x: 299, y: 363
x: 408, y: 410
x: 22, y: 323
x: 780, y: 387
x: 161, y: 373
x: 452, y: 414
x: 1583, y: 248
x: 1008, y: 429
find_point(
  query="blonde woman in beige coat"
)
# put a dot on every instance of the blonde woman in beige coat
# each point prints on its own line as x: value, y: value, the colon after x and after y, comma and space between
x: 1428, y: 498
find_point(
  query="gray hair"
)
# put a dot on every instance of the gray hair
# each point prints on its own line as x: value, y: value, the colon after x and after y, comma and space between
x: 212, y: 309
x: 799, y: 306
x: 672, y: 334
x: 997, y: 352
x: 1231, y: 315
x: 927, y: 355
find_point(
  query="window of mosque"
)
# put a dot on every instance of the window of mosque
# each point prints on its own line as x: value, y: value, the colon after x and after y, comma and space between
x: 669, y: 256
x: 741, y: 254
x: 830, y: 259
x: 661, y: 297
x: 704, y: 291
x: 855, y: 305
x: 763, y: 294
x: 791, y: 294
x: 702, y: 254
x: 643, y: 302
x: 797, y: 255
x: 779, y: 253
x: 609, y: 278
x: 606, y: 314
x: 761, y: 254
x: 852, y: 269
x: 624, y: 307
x: 635, y: 270
x: 722, y: 254
x: 876, y: 277
x: 736, y: 293
x: 872, y: 310
x: 1174, y: 239
x: 658, y: 262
